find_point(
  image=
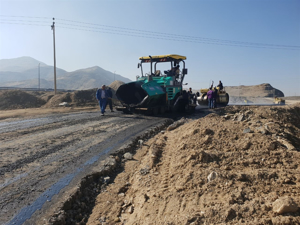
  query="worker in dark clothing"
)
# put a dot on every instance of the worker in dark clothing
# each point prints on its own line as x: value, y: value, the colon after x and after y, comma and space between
x: 173, y: 71
x: 101, y: 96
x: 109, y: 98
x: 210, y: 98
x: 220, y: 86
x: 215, y: 94
x: 192, y: 96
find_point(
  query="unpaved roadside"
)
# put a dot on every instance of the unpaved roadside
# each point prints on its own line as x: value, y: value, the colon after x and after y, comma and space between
x: 33, y: 112
x: 238, y: 165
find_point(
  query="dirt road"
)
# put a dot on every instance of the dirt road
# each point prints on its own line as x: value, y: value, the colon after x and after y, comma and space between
x: 43, y: 156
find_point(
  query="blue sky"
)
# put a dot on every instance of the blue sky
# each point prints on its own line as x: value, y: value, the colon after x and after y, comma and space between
x: 82, y: 44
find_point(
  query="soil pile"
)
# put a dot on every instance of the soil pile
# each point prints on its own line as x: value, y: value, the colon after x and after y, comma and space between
x: 116, y: 84
x: 238, y: 165
x: 17, y: 99
x: 85, y: 97
x: 76, y: 98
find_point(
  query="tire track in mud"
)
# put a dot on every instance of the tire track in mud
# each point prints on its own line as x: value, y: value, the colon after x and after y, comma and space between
x: 33, y: 159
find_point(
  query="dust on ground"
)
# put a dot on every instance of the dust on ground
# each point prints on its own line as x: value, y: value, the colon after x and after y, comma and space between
x: 238, y: 165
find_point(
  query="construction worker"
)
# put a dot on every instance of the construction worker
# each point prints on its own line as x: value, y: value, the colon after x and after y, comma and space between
x: 101, y: 96
x: 215, y: 94
x: 191, y: 96
x: 220, y: 86
x: 210, y: 98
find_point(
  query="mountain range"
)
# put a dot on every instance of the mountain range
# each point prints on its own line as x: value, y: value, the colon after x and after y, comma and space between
x: 23, y: 72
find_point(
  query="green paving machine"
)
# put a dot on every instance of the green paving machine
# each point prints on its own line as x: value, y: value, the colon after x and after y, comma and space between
x: 156, y: 92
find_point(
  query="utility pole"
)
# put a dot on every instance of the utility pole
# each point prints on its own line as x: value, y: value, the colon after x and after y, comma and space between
x: 39, y: 78
x: 53, y: 28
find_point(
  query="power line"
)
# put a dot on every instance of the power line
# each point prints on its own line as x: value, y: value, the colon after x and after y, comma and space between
x: 26, y: 17
x: 177, y: 35
x: 171, y: 39
x: 24, y: 24
x: 30, y: 21
x: 92, y: 27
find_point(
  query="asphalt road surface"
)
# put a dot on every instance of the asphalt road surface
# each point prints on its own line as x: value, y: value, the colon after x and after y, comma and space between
x: 42, y: 156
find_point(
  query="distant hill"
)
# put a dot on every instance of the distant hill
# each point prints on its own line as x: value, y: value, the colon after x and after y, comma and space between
x: 261, y: 90
x: 88, y: 78
x: 19, y: 64
x: 46, y: 72
x: 32, y: 83
x: 23, y: 73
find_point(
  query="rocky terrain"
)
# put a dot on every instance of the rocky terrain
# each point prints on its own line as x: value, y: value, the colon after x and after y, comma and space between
x: 237, y: 165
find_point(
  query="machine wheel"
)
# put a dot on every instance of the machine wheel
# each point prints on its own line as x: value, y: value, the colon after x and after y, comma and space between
x: 223, y: 104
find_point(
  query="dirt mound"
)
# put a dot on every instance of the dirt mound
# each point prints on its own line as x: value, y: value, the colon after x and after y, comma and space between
x: 116, y: 84
x: 80, y: 98
x: 76, y: 98
x: 17, y: 99
x: 85, y: 97
x: 55, y: 100
x: 254, y: 91
x: 239, y: 165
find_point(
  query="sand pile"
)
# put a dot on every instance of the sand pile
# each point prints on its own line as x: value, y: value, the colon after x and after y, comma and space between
x: 239, y: 165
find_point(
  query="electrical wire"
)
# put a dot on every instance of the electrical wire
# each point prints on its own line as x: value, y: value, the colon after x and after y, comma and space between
x: 30, y: 24
x: 92, y: 27
x: 171, y: 39
x: 177, y: 35
x: 26, y: 17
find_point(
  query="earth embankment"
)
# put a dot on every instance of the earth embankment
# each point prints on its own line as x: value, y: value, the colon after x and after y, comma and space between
x: 237, y: 165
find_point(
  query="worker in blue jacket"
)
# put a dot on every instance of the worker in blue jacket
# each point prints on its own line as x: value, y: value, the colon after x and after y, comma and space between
x: 102, y: 96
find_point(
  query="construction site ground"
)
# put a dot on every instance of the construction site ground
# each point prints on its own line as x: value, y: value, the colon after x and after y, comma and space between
x: 232, y: 165
x: 237, y: 165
